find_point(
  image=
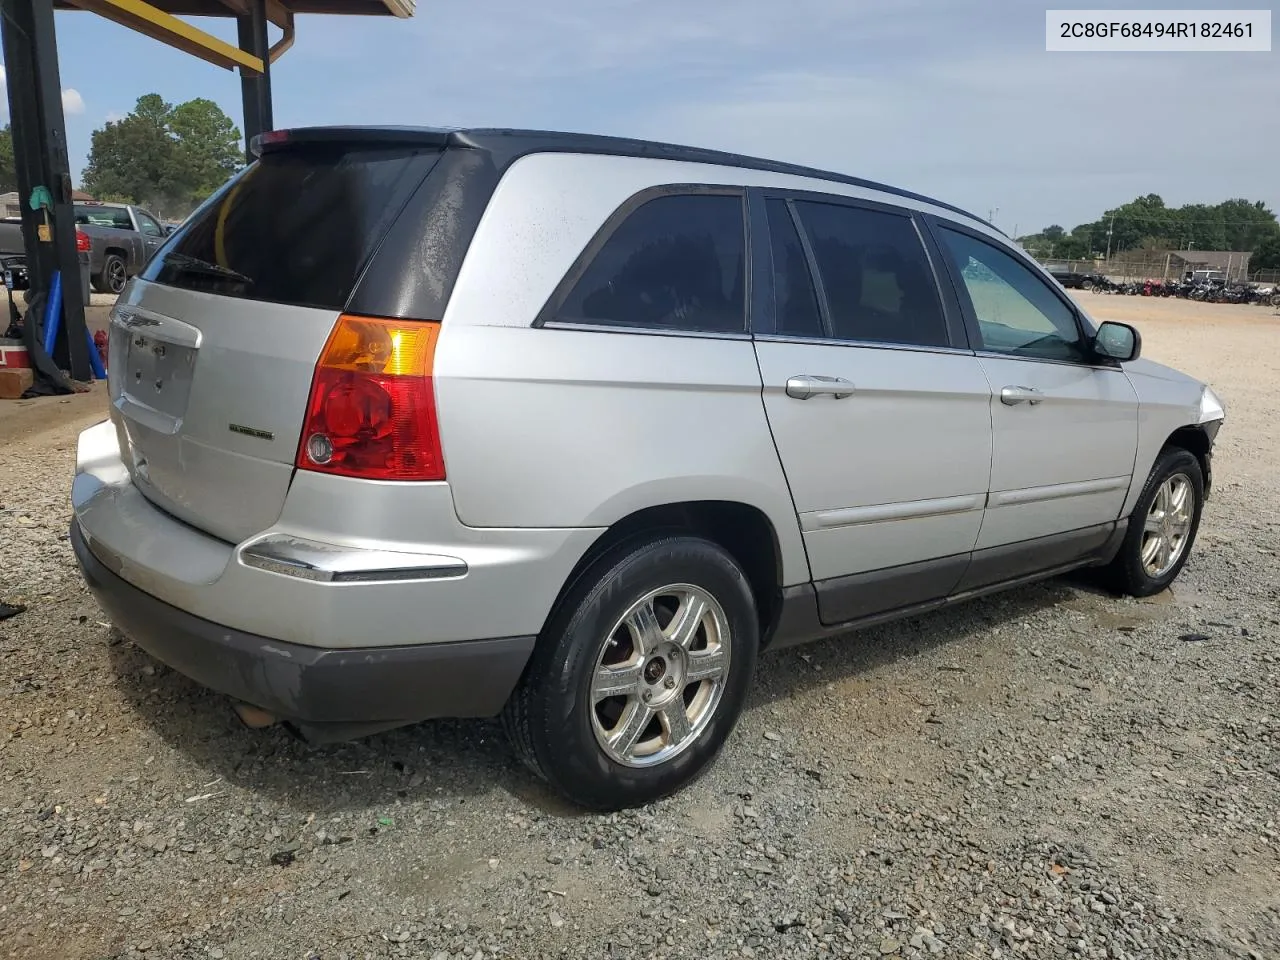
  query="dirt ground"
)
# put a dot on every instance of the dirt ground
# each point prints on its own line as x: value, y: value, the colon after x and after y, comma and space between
x: 1050, y: 772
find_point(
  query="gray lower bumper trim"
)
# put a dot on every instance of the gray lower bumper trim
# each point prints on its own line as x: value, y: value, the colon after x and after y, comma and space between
x: 374, y: 686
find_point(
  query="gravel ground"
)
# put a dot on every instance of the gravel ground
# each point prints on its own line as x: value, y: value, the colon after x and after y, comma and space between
x: 1052, y: 772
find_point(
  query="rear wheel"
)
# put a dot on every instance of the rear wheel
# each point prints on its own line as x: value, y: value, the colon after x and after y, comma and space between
x: 640, y: 677
x: 114, y: 275
x: 1162, y: 527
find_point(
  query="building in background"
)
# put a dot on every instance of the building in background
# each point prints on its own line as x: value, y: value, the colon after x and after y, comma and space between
x: 1232, y: 264
x: 11, y: 203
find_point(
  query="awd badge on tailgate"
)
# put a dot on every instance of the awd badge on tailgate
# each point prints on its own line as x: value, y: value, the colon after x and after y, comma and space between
x: 251, y: 431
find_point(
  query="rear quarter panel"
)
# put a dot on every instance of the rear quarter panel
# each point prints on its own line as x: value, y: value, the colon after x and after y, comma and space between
x: 570, y: 428
x: 102, y: 239
x: 553, y: 427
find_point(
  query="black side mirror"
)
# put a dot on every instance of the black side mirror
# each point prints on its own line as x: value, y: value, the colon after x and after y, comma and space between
x: 1117, y: 341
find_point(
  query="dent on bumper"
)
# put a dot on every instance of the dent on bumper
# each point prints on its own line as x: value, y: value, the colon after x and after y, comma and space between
x: 371, y: 687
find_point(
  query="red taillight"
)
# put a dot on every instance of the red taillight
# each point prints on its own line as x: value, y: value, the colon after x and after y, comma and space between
x: 372, y: 410
x: 83, y: 244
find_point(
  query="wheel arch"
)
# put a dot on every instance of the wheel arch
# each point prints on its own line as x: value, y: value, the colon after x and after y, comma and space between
x: 745, y: 531
x: 1196, y: 440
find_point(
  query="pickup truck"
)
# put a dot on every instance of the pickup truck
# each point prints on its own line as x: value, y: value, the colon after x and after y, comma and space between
x: 122, y: 239
x: 13, y: 257
x: 1077, y: 281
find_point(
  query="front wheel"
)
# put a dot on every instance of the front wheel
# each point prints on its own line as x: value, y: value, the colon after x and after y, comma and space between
x: 641, y: 675
x: 1161, y: 528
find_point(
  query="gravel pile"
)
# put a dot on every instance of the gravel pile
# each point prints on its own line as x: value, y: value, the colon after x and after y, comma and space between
x: 1049, y: 773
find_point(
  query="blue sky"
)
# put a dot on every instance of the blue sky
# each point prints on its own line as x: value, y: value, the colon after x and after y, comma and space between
x: 950, y: 97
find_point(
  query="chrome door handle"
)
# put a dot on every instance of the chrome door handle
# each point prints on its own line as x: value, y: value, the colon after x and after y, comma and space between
x: 804, y: 387
x: 1012, y: 396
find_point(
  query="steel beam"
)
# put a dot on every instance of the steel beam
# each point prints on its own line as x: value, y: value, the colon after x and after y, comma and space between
x: 40, y: 157
x: 255, y: 87
x: 153, y: 22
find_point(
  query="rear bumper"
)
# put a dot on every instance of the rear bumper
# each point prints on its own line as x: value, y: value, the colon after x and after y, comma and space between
x: 348, y: 565
x: 344, y: 692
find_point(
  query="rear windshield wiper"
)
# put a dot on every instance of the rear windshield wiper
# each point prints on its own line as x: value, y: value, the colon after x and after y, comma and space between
x: 190, y: 264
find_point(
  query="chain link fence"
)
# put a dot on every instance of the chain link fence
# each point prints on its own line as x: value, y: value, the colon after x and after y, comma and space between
x: 1154, y: 266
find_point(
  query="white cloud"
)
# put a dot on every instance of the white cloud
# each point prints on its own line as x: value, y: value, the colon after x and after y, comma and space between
x: 954, y: 98
x: 114, y: 116
x: 72, y: 102
x: 1044, y: 137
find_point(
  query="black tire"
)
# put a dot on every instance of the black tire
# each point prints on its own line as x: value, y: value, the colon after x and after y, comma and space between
x: 1127, y: 573
x: 113, y: 277
x: 551, y: 719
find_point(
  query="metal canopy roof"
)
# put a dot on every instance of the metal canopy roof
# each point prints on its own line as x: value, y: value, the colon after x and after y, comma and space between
x: 276, y: 9
x: 160, y: 20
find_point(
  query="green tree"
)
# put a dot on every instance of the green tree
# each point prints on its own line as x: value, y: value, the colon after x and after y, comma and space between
x: 8, y: 173
x: 1147, y: 223
x: 1266, y: 256
x: 208, y: 146
x: 167, y: 157
x: 1246, y: 224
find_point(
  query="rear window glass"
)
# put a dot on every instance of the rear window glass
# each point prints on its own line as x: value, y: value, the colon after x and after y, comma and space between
x: 676, y: 263
x: 94, y: 216
x: 875, y: 274
x: 296, y: 227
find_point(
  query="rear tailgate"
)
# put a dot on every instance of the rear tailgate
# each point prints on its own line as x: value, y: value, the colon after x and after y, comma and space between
x: 214, y: 348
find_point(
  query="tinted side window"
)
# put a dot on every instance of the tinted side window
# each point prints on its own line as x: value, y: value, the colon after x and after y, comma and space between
x: 677, y: 262
x: 1017, y: 313
x: 875, y: 275
x: 795, y: 302
x: 149, y: 226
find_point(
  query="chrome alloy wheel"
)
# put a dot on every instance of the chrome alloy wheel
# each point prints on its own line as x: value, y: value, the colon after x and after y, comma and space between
x: 660, y: 675
x: 1167, y: 529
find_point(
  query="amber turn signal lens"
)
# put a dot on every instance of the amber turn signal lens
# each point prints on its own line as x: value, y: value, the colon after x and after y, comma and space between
x: 372, y: 409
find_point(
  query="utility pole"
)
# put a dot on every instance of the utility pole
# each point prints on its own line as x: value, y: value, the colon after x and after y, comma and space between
x: 1110, y: 225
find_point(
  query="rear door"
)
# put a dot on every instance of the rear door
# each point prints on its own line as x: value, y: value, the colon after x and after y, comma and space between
x: 1065, y: 425
x: 879, y: 411
x: 214, y: 348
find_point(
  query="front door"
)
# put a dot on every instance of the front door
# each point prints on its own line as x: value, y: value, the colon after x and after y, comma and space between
x: 1065, y: 425
x: 882, y: 424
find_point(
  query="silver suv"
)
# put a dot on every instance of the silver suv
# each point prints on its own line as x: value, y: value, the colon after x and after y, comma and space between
x: 421, y: 423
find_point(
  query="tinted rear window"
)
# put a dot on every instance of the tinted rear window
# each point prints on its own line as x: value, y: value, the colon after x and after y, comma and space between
x: 95, y: 216
x: 296, y: 227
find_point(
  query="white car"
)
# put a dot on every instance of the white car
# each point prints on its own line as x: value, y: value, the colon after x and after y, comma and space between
x: 417, y: 423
